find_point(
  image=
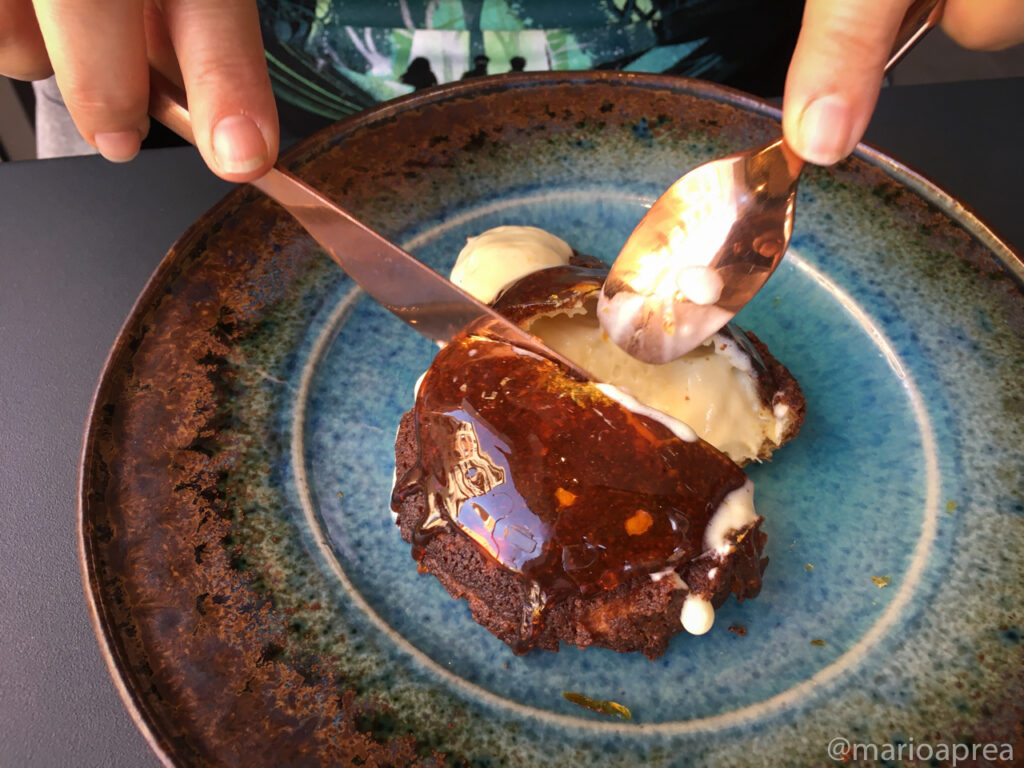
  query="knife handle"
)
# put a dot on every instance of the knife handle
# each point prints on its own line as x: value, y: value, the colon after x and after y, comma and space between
x: 167, y: 103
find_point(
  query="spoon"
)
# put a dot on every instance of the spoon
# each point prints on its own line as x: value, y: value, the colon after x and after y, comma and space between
x: 710, y: 242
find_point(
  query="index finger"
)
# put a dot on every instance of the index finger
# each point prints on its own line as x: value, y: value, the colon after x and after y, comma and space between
x: 98, y: 52
x: 220, y: 52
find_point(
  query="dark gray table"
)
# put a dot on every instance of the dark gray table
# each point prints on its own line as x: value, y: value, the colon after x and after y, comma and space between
x: 78, y: 239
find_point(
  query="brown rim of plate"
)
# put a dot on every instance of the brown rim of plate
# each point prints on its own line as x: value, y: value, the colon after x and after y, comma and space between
x: 106, y: 633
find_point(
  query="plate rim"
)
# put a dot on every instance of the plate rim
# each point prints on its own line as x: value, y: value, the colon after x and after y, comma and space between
x: 105, y: 632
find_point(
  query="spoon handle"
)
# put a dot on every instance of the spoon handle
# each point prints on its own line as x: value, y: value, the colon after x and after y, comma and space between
x: 921, y: 16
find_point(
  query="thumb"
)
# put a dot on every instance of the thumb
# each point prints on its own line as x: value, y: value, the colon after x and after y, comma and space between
x: 220, y: 52
x: 836, y: 73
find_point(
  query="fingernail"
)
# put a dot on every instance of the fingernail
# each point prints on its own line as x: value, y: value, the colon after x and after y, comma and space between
x: 238, y: 145
x: 825, y: 131
x: 118, y: 146
x: 144, y: 128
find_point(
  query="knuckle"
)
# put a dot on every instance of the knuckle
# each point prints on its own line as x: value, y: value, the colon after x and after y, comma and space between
x: 111, y: 108
x: 857, y: 48
x: 234, y: 77
x: 22, y: 53
x: 28, y: 71
x: 841, y: 31
x: 24, y: 62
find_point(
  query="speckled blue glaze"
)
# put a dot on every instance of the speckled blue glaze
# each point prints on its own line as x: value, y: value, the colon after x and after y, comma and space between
x: 891, y: 604
x: 849, y: 526
x: 862, y: 493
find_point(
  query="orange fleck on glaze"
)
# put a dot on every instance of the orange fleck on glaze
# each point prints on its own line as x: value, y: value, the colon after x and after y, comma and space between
x: 565, y: 498
x: 639, y: 522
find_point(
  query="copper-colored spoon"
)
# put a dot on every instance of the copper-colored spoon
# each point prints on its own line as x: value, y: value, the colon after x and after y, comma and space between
x: 710, y: 242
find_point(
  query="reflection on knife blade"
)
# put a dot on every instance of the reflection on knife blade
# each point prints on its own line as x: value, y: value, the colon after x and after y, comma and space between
x: 406, y: 287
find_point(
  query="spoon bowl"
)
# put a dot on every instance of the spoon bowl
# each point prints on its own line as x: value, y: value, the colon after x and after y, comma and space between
x: 701, y: 252
x: 710, y: 242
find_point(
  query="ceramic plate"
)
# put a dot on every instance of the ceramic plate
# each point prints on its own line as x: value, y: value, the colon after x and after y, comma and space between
x: 258, y: 606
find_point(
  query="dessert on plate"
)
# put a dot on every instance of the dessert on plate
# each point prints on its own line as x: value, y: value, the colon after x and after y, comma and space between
x: 610, y: 513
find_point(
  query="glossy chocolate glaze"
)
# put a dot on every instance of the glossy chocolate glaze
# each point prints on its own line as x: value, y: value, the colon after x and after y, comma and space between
x: 553, y: 479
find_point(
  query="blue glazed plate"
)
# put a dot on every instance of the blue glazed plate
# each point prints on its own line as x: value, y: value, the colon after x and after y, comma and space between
x: 258, y: 605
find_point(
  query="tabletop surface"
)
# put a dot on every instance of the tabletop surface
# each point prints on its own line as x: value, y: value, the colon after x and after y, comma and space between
x: 79, y: 237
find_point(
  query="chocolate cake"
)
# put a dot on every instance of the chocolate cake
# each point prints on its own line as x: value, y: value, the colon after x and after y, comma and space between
x: 569, y: 511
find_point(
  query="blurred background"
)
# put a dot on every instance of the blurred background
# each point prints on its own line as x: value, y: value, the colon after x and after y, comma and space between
x: 935, y: 60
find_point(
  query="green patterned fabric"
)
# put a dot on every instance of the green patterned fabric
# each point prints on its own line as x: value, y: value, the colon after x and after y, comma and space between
x: 334, y: 57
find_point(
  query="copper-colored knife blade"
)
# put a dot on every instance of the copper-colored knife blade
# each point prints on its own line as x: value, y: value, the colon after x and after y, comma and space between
x: 411, y: 290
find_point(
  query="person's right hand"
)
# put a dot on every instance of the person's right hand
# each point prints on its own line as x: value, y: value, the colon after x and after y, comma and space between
x: 837, y: 67
x: 101, y: 50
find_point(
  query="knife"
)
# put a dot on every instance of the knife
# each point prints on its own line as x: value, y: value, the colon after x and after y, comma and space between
x: 408, y: 288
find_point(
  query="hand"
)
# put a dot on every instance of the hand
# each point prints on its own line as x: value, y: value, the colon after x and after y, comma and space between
x: 837, y: 67
x: 101, y: 50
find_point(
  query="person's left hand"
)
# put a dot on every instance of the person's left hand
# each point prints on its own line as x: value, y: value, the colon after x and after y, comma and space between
x: 101, y: 52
